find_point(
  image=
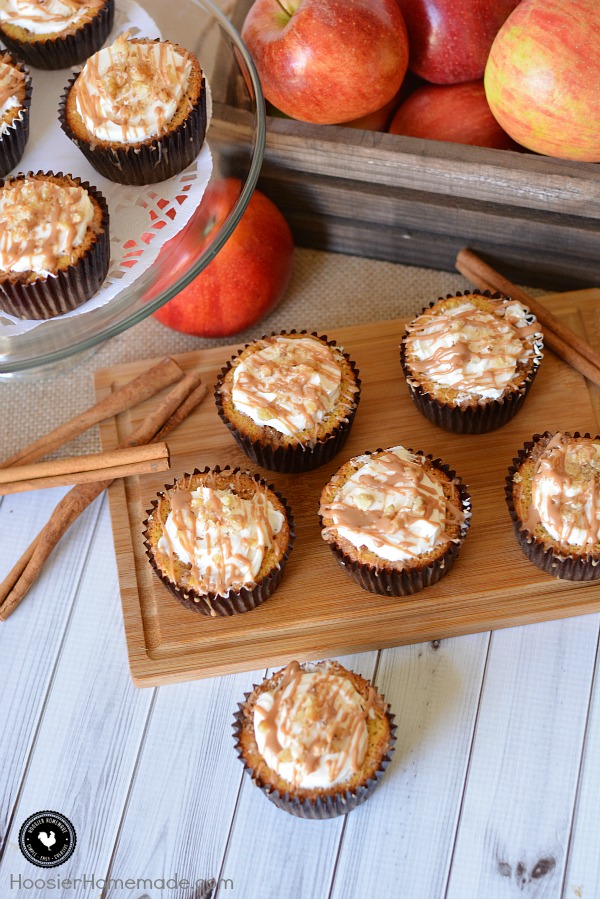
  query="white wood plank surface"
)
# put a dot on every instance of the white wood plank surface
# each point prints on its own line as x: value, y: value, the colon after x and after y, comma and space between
x: 31, y: 639
x: 433, y: 689
x: 284, y: 856
x: 582, y: 877
x: 516, y: 816
x: 184, y: 794
x: 90, y: 731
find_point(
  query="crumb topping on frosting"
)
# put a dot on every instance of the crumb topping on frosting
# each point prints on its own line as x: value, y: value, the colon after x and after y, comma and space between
x: 289, y: 384
x: 565, y: 494
x: 220, y: 535
x: 392, y: 506
x: 130, y: 91
x: 473, y: 351
x: 41, y: 222
x: 12, y: 91
x: 47, y: 16
x: 311, y: 727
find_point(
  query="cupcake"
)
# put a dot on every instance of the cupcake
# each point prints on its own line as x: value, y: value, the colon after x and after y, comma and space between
x: 395, y: 520
x: 137, y: 110
x: 54, y: 244
x: 15, y: 100
x: 289, y: 400
x: 55, y: 34
x: 553, y: 496
x: 219, y: 540
x: 470, y: 359
x: 316, y: 738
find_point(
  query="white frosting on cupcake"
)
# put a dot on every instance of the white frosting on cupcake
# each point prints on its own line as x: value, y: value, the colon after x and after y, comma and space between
x: 290, y: 384
x: 311, y: 727
x: 12, y: 89
x: 130, y: 91
x: 46, y: 16
x: 41, y: 222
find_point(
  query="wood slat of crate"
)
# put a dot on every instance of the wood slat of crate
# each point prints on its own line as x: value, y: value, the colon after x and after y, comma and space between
x: 418, y: 202
x: 318, y: 610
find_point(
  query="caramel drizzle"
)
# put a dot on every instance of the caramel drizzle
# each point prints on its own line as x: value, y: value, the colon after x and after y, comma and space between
x: 124, y: 88
x: 400, y: 481
x: 74, y: 7
x: 495, y: 343
x: 12, y: 82
x: 289, y: 377
x: 33, y: 207
x: 568, y: 513
x: 339, y: 727
x: 214, y: 578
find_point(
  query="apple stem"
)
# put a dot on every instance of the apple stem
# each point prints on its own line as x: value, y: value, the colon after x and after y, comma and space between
x: 283, y: 8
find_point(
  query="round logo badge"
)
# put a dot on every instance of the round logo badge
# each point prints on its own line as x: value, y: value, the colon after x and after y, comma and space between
x: 47, y: 839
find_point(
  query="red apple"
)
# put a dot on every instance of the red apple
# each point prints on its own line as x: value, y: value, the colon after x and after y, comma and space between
x: 450, y: 39
x: 543, y: 77
x: 458, y: 113
x: 247, y: 277
x: 327, y: 61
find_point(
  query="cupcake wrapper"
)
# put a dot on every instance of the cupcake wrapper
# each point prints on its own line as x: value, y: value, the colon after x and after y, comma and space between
x: 301, y: 456
x: 144, y: 163
x: 14, y: 140
x: 319, y: 807
x: 69, y: 50
x: 566, y: 566
x: 236, y: 601
x: 486, y: 416
x: 48, y: 297
x: 406, y: 581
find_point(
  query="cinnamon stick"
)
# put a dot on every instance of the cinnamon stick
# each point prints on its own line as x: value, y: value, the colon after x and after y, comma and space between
x: 146, y: 385
x: 15, y: 586
x: 117, y: 463
x: 561, y: 339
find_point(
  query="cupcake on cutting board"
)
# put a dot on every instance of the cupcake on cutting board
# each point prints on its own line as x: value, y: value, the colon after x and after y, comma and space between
x: 470, y: 360
x: 289, y: 400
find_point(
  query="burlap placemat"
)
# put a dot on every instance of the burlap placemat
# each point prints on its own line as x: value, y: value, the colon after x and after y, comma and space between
x: 327, y: 291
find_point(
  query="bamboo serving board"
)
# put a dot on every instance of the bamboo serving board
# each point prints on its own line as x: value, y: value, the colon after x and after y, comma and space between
x: 318, y: 610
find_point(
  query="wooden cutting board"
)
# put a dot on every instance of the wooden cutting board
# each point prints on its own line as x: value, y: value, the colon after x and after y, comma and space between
x: 318, y: 610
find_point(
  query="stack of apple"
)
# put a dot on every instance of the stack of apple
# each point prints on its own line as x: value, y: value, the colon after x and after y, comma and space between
x: 490, y: 72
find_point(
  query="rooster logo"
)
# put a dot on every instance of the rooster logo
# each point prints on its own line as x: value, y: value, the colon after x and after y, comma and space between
x: 47, y: 840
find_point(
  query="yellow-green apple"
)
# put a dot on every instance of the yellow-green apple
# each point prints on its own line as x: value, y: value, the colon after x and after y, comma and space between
x: 542, y: 78
x: 247, y: 277
x: 327, y: 61
x: 458, y: 113
x: 450, y: 39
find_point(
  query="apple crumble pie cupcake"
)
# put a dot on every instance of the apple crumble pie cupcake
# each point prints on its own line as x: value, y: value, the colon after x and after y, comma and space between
x: 553, y: 496
x: 219, y: 540
x: 55, y: 34
x: 470, y: 360
x: 289, y: 400
x: 316, y: 738
x: 395, y: 520
x: 137, y: 110
x: 54, y: 244
x: 15, y: 102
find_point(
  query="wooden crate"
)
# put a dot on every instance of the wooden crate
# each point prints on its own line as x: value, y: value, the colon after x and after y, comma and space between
x: 418, y: 202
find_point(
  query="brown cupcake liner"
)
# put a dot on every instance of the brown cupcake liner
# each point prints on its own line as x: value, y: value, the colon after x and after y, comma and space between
x: 327, y: 805
x: 387, y: 581
x: 569, y: 566
x: 236, y: 601
x: 144, y: 163
x: 488, y: 415
x: 54, y: 295
x: 68, y: 50
x: 14, y: 140
x: 300, y: 457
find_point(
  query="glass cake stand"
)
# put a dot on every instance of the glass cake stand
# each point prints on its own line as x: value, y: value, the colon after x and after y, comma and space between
x: 236, y: 138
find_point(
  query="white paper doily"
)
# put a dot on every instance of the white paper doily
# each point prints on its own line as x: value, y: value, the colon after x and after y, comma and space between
x: 142, y: 219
